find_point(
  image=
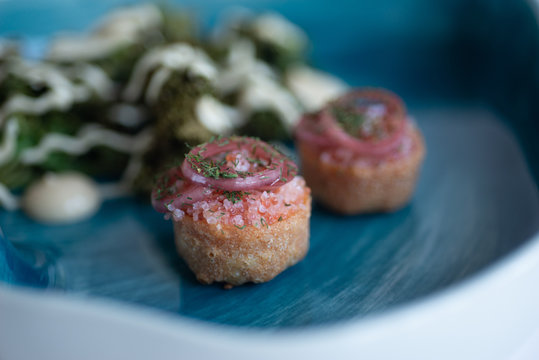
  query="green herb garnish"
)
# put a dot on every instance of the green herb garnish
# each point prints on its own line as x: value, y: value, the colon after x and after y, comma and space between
x: 234, y: 196
x: 350, y: 120
x: 228, y: 175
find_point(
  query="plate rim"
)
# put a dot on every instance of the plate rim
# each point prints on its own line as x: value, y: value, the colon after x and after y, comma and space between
x: 476, y: 304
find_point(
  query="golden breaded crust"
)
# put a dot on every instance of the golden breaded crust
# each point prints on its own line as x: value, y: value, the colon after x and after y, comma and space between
x: 349, y: 189
x: 237, y: 256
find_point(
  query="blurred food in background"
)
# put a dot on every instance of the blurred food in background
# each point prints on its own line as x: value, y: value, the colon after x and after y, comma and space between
x: 124, y: 101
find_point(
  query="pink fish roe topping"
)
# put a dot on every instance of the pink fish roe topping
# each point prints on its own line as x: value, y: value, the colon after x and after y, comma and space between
x: 255, y: 208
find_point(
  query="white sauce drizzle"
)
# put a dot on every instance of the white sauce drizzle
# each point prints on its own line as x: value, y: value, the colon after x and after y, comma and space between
x: 270, y: 27
x: 61, y: 95
x: 61, y: 198
x: 73, y: 47
x: 127, y: 115
x: 130, y: 22
x: 88, y: 137
x: 157, y: 82
x: 241, y: 63
x: 123, y: 187
x: 7, y: 149
x: 95, y: 78
x: 175, y: 57
x: 275, y: 29
x: 258, y: 85
x: 216, y: 116
x: 9, y: 201
x: 261, y: 93
x: 314, y: 88
x: 117, y: 29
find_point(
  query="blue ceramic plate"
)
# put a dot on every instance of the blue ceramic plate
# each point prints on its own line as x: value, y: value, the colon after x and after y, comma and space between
x: 475, y: 203
x: 472, y: 88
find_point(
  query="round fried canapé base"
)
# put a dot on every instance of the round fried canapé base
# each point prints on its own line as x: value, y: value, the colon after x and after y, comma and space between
x: 235, y: 255
x: 353, y: 189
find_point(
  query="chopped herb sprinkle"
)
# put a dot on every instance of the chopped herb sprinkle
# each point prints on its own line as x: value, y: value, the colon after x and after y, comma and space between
x: 234, y: 196
x: 214, y: 166
x: 350, y: 120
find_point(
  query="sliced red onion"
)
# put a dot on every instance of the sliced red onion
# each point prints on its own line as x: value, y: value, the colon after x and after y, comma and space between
x: 174, y: 192
x: 323, y: 130
x: 312, y: 130
x: 276, y: 168
x: 206, y: 169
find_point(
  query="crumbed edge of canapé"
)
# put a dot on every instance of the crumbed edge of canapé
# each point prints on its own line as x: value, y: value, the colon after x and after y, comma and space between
x: 238, y: 255
x: 366, y: 187
x: 345, y: 157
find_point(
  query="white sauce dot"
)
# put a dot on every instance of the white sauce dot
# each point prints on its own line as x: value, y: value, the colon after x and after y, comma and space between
x: 62, y: 198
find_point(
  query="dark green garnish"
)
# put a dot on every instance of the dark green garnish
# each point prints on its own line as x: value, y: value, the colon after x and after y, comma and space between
x: 228, y: 175
x: 234, y: 196
x: 207, y: 167
x: 350, y: 120
x: 256, y: 161
x: 223, y: 143
x: 240, y: 227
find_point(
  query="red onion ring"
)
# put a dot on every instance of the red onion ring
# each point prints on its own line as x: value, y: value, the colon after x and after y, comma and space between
x: 278, y: 171
x: 183, y: 186
x: 166, y: 193
x: 323, y: 130
x: 311, y: 130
